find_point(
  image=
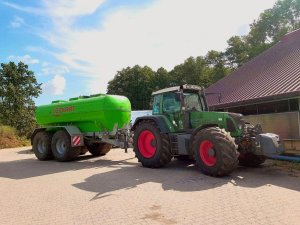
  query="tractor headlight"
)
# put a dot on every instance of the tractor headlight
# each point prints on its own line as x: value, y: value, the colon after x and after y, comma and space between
x: 240, y: 126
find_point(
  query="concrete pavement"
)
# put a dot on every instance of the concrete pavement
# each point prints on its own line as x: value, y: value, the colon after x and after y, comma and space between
x: 115, y: 189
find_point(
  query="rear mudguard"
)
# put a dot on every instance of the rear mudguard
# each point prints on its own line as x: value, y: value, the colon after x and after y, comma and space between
x: 164, y: 125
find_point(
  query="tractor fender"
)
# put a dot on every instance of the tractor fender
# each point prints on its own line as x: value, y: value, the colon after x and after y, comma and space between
x: 203, y: 127
x: 159, y: 120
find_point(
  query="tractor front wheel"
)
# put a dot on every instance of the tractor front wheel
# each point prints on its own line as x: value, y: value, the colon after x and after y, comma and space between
x: 151, y: 147
x: 215, y: 152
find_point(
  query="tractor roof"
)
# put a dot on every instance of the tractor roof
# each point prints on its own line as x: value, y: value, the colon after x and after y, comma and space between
x: 178, y: 88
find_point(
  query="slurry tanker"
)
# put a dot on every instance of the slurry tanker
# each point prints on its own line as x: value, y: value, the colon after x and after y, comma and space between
x: 180, y: 126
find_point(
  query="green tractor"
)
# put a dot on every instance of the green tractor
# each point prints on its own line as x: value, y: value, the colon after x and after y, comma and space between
x: 181, y: 126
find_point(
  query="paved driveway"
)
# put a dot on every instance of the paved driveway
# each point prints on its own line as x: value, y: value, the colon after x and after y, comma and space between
x: 115, y: 189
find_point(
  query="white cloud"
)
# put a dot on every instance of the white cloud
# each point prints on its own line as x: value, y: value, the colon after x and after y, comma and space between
x: 163, y: 33
x: 27, y: 59
x: 17, y: 22
x: 23, y: 8
x: 70, y: 8
x: 56, y: 86
x: 38, y: 49
x: 48, y: 68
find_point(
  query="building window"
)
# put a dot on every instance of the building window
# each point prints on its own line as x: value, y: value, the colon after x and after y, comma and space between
x: 294, y: 105
x: 273, y: 107
x: 268, y: 107
x: 245, y: 110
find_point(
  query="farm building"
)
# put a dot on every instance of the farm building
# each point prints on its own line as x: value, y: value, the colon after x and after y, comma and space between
x: 266, y: 90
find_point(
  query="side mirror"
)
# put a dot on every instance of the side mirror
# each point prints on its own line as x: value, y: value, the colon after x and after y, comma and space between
x: 178, y: 96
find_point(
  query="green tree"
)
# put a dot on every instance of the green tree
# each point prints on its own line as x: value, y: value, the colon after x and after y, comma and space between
x: 237, y: 51
x: 216, y: 67
x: 192, y: 71
x: 18, y: 87
x: 136, y: 84
x: 266, y: 31
x: 161, y: 79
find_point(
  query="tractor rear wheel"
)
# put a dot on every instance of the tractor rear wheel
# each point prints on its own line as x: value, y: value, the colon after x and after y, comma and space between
x: 151, y: 147
x: 98, y: 149
x: 61, y: 147
x: 41, y: 146
x: 215, y: 151
x: 251, y: 160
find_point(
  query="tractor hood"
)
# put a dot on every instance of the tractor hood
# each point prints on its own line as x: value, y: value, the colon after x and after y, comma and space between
x: 231, y: 122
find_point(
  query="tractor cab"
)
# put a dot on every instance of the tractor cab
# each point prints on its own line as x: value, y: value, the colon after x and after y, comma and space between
x: 177, y: 104
x: 176, y: 99
x: 186, y: 109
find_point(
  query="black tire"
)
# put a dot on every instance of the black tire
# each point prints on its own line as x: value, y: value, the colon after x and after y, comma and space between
x: 219, y: 156
x: 61, y: 147
x: 251, y: 160
x: 83, y: 150
x: 41, y: 146
x: 98, y: 149
x: 162, y: 155
x: 184, y: 158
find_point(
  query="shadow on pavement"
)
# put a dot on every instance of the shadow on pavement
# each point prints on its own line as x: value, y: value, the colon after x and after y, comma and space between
x: 128, y: 174
x: 27, y: 168
x: 25, y: 152
x: 182, y: 176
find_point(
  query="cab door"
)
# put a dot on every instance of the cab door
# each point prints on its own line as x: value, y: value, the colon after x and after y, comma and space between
x: 171, y: 109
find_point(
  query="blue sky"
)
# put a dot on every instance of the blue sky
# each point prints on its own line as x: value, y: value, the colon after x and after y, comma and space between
x: 76, y: 46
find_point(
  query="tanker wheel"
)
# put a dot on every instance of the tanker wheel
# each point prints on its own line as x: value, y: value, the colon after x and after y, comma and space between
x: 251, y: 160
x: 41, y: 146
x: 98, y: 149
x: 61, y: 147
x: 215, y: 152
x: 151, y: 147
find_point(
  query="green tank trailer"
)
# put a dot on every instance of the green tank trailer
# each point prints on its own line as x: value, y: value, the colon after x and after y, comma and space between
x: 180, y: 126
x: 96, y: 113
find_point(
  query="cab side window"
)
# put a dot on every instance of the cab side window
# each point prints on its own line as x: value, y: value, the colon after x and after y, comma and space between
x: 192, y: 101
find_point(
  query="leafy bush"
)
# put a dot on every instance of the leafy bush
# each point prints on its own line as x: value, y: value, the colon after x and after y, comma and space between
x: 10, y: 139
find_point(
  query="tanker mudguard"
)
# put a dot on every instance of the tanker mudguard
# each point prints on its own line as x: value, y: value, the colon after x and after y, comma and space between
x: 158, y: 119
x: 71, y: 130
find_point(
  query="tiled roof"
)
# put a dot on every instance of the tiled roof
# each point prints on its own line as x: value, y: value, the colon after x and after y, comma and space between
x: 273, y: 74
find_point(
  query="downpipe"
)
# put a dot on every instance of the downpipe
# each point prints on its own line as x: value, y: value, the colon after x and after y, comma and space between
x: 285, y: 158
